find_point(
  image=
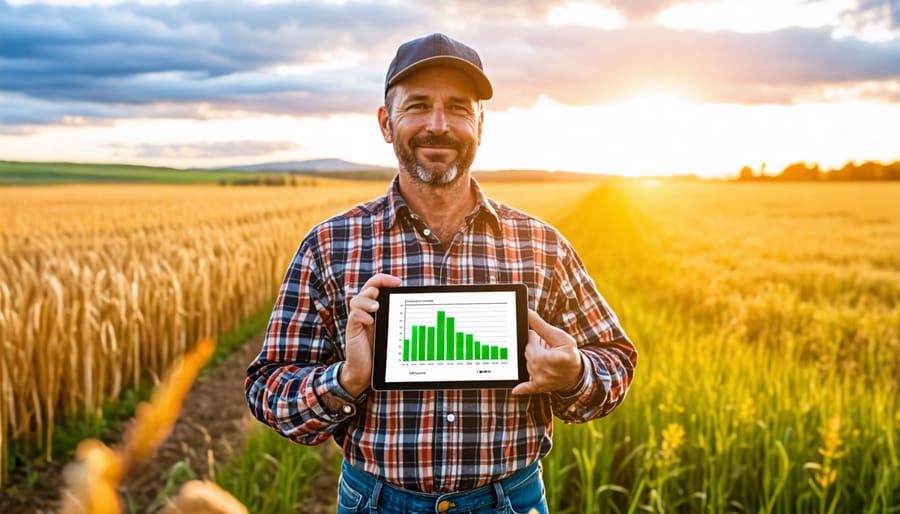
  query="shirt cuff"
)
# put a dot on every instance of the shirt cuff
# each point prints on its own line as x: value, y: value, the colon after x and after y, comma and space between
x: 329, y: 391
x: 571, y: 395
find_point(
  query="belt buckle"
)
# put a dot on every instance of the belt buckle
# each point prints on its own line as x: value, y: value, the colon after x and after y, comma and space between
x: 445, y: 505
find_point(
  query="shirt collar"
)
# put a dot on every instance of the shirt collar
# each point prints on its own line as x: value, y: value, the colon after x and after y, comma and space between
x: 397, y: 206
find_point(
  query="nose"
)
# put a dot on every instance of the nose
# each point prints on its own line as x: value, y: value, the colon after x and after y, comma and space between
x: 437, y: 122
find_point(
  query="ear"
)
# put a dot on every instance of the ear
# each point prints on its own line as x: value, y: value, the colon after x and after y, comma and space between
x: 384, y: 122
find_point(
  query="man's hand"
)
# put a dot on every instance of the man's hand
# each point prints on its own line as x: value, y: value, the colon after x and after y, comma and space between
x: 356, y: 373
x: 552, y: 358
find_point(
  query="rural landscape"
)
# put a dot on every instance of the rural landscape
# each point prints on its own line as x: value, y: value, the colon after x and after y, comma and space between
x: 728, y: 172
x: 767, y: 315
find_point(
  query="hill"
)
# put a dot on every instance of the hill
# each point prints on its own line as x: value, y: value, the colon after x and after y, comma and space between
x: 313, y: 165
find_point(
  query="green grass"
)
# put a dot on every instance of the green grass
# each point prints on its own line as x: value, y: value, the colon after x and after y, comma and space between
x: 45, y: 173
x: 768, y: 339
x: 272, y: 475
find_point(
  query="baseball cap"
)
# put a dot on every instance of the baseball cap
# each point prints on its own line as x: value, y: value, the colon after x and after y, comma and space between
x: 438, y: 50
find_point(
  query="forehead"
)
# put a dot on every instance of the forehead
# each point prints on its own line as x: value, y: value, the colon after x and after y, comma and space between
x: 438, y: 81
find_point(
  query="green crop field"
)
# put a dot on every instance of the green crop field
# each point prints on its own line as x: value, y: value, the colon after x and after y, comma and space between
x: 43, y: 173
x: 768, y: 320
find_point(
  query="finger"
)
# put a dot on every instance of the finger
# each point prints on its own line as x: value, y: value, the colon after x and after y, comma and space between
x: 358, y: 316
x: 530, y: 387
x: 365, y: 303
x: 552, y: 335
x: 382, y: 280
x: 523, y: 388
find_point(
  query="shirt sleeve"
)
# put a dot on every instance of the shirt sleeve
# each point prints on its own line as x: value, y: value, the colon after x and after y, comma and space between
x: 609, y: 356
x: 289, y: 383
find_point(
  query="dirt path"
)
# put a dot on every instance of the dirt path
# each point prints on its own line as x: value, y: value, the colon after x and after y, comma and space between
x: 213, y: 423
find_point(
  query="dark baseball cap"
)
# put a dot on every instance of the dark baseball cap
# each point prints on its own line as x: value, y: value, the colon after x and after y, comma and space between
x: 438, y: 50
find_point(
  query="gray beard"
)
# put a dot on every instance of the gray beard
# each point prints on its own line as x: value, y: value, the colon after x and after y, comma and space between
x: 424, y: 176
x: 419, y: 172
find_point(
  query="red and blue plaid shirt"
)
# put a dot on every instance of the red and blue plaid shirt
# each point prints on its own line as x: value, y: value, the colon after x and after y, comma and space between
x: 431, y: 441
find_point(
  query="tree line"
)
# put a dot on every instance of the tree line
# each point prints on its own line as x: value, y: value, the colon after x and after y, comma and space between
x: 801, y: 171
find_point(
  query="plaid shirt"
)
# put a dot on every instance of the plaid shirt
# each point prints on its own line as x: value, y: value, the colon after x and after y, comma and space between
x: 431, y: 441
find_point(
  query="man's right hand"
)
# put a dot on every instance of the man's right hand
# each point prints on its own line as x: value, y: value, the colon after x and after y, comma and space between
x: 356, y: 373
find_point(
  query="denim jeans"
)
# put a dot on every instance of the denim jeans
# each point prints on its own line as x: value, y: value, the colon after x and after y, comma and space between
x: 521, y: 492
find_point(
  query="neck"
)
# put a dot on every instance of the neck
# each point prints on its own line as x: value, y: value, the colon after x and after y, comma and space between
x: 443, y: 208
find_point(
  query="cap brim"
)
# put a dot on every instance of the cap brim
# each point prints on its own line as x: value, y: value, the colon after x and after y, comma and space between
x: 482, y: 85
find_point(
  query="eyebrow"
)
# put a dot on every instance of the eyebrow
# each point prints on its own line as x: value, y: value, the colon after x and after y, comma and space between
x: 452, y: 99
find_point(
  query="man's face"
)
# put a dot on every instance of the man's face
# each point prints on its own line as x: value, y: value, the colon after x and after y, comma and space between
x: 434, y: 125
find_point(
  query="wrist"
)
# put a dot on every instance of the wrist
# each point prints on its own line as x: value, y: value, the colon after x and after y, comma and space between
x: 578, y: 383
x: 353, y: 385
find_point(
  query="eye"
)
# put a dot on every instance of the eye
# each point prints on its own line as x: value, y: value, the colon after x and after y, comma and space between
x: 418, y: 106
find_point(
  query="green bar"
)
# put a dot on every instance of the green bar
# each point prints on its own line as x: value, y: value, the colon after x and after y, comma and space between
x: 477, y: 350
x: 495, y: 353
x: 414, y: 347
x: 485, y: 352
x: 460, y: 343
x: 441, y: 332
x: 429, y: 350
x: 504, y: 354
x: 421, y: 354
x: 469, y: 341
x: 449, y: 339
x: 405, y: 350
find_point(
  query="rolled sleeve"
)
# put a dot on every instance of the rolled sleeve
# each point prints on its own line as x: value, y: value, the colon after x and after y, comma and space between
x: 298, y: 365
x: 608, y: 355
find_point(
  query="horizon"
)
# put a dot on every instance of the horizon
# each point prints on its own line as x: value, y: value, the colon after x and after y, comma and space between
x: 692, y: 88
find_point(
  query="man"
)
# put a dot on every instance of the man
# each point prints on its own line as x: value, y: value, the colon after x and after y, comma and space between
x: 445, y: 450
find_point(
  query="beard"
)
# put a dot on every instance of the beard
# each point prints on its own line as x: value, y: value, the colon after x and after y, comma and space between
x: 434, y: 173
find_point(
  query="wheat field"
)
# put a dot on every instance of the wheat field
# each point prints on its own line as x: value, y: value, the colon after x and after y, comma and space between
x: 767, y: 317
x: 103, y: 286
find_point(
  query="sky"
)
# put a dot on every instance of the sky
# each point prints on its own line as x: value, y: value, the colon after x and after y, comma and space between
x: 631, y: 87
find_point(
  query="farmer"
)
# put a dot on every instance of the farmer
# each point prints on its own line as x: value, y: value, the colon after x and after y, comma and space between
x: 438, y: 450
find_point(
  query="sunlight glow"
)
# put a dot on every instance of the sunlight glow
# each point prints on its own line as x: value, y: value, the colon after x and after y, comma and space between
x: 586, y: 14
x: 755, y: 16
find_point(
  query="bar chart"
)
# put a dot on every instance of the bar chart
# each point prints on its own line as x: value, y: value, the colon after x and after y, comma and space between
x: 452, y: 336
x: 442, y: 342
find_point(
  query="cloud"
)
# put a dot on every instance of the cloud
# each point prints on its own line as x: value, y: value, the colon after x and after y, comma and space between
x: 207, y: 58
x: 581, y: 65
x: 218, y: 149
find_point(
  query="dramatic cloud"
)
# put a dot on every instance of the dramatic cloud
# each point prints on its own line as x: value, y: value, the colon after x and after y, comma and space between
x: 580, y: 65
x: 200, y: 58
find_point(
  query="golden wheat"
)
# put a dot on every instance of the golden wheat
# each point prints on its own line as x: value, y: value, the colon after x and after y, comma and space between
x: 102, y: 287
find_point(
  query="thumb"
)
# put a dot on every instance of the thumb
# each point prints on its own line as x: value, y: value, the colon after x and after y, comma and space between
x: 554, y: 337
x: 524, y: 388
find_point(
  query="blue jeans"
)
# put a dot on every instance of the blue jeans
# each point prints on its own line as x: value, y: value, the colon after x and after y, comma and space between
x: 360, y: 492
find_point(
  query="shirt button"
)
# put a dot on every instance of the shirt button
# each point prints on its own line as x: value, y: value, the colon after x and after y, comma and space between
x: 451, y: 418
x: 427, y: 231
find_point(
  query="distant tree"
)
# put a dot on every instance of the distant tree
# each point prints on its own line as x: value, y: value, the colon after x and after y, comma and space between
x: 800, y: 171
x: 746, y: 173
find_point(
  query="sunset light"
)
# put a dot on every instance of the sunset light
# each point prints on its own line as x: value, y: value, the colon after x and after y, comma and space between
x: 620, y: 87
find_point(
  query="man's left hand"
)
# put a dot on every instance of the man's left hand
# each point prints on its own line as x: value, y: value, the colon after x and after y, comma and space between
x: 552, y: 358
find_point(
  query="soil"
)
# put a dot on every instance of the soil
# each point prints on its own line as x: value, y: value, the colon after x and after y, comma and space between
x: 213, y: 423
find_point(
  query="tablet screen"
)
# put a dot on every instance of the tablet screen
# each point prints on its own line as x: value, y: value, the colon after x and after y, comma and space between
x: 450, y: 337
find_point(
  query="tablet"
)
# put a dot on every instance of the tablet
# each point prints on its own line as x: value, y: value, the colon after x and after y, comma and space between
x: 450, y: 337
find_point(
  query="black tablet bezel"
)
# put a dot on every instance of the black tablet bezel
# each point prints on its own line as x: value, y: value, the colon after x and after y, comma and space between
x: 381, y: 325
